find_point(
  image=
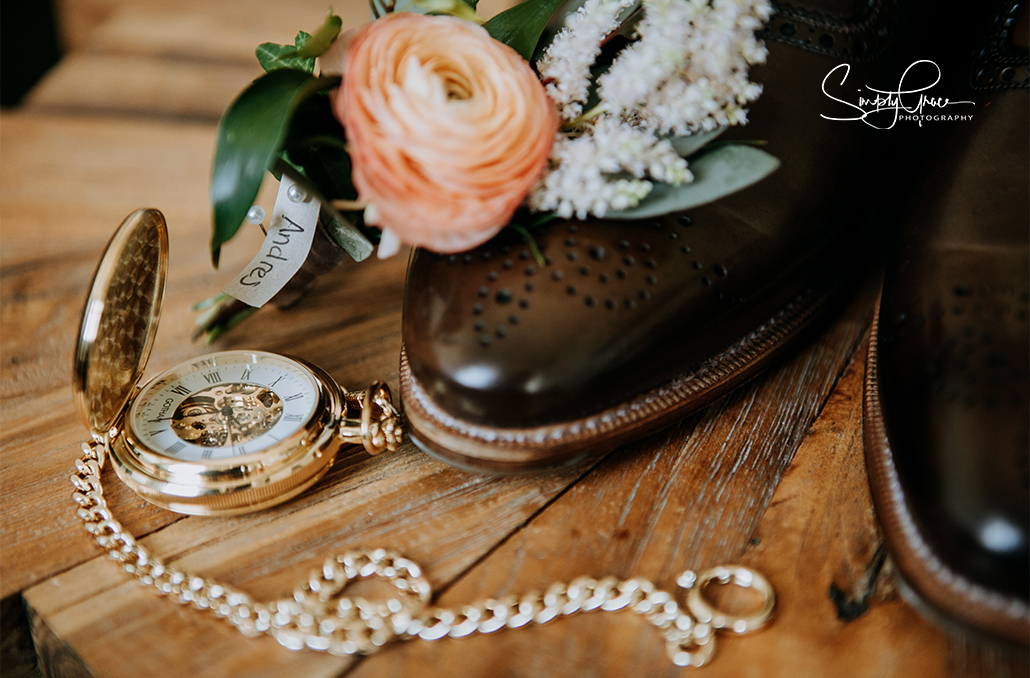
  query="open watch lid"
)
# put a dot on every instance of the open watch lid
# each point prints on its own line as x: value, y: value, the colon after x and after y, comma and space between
x: 120, y: 319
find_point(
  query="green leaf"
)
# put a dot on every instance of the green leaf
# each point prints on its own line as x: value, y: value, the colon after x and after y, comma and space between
x: 301, y: 54
x: 273, y: 56
x: 717, y: 173
x: 315, y: 153
x: 690, y: 144
x: 521, y: 26
x: 326, y: 166
x: 458, y: 8
x: 315, y: 44
x: 250, y: 134
x: 349, y: 237
x: 316, y: 145
x: 465, y: 9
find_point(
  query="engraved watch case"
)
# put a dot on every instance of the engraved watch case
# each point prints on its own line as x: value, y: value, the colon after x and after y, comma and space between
x: 210, y: 448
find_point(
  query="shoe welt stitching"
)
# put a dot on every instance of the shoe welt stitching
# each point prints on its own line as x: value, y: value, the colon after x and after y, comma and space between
x: 898, y: 511
x: 754, y: 346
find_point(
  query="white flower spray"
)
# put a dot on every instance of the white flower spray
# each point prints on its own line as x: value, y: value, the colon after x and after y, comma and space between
x: 583, y: 177
x: 687, y: 71
x: 565, y: 66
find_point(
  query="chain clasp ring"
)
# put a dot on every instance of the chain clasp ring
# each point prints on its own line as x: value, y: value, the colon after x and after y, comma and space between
x: 707, y: 612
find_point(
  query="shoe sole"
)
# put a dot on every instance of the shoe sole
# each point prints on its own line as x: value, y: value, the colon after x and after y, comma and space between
x: 478, y: 447
x: 943, y: 593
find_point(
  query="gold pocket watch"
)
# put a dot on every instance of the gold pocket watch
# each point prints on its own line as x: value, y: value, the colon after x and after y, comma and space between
x: 226, y: 433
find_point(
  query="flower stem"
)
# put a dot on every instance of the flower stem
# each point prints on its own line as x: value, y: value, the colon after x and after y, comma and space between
x: 349, y: 205
x: 220, y: 313
x: 325, y: 140
x: 531, y: 241
x: 734, y: 142
x: 585, y: 118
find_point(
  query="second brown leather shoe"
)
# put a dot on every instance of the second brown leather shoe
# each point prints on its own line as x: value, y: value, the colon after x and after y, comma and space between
x: 947, y: 403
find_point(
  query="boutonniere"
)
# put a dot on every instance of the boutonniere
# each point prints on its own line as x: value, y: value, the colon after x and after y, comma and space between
x: 429, y: 127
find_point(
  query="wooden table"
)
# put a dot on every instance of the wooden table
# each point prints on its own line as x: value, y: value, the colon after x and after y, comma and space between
x: 771, y: 476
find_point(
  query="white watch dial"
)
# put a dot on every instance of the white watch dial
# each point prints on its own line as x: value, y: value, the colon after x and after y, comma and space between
x: 227, y: 405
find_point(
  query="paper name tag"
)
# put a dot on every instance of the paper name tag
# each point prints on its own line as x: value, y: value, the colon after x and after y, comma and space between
x: 290, y: 233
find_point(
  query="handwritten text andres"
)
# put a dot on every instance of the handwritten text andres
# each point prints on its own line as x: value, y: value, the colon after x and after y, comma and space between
x: 264, y: 266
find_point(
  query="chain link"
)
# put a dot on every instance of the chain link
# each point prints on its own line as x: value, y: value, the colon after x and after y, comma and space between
x: 317, y: 617
x: 380, y: 429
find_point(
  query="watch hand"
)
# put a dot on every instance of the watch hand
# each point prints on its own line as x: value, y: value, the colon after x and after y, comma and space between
x: 233, y: 421
x: 229, y: 417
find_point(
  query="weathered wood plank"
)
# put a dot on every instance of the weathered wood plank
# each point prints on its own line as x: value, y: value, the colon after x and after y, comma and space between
x: 196, y: 30
x: 444, y: 518
x: 185, y: 59
x: 202, y: 30
x: 689, y: 497
x: 67, y: 183
x: 132, y: 85
x: 820, y: 545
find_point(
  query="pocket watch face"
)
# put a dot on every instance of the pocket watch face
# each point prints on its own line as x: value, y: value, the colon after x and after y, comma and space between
x: 223, y: 406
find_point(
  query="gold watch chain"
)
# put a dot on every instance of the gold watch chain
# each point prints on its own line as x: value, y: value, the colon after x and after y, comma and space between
x: 318, y: 618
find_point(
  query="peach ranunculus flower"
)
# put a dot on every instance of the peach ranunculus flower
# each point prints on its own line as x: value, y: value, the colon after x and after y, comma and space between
x: 447, y: 129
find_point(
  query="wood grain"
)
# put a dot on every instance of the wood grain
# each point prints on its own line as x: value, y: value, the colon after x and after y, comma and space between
x: 820, y: 545
x: 443, y: 518
x: 68, y: 182
x: 689, y: 497
x: 203, y: 30
x: 181, y: 59
x: 133, y: 85
x: 194, y: 30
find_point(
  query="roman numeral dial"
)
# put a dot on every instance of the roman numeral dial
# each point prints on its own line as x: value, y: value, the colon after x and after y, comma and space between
x: 228, y: 405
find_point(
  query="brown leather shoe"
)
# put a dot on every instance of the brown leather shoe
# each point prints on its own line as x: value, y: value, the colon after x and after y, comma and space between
x: 626, y: 327
x: 948, y: 377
